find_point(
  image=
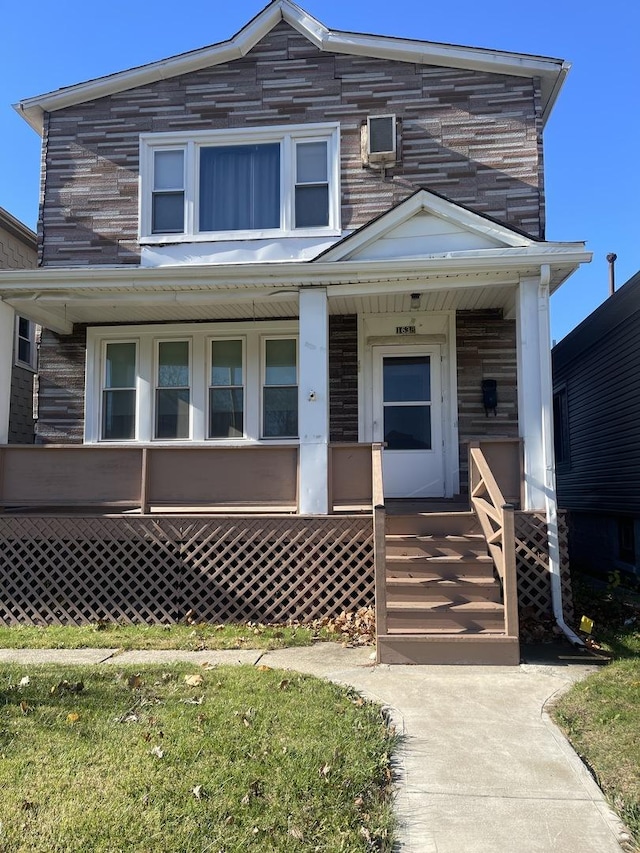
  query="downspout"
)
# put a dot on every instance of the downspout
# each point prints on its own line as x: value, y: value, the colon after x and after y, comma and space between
x: 551, y: 506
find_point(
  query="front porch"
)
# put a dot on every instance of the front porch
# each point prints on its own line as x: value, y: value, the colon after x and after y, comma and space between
x: 154, y: 534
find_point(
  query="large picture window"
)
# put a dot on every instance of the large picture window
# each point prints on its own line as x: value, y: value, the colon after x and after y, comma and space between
x: 231, y: 184
x: 228, y: 382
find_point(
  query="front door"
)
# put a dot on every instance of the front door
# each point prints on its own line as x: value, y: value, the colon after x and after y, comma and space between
x: 407, y: 403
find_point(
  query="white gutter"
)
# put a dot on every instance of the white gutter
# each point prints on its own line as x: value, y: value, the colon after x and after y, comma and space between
x: 551, y: 506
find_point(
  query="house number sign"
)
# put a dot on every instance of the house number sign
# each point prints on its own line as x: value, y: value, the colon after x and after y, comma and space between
x: 405, y: 330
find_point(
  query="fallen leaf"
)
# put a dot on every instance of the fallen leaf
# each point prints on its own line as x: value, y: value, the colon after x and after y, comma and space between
x: 284, y: 684
x: 73, y: 717
x: 198, y: 792
x: 134, y: 682
x: 193, y: 680
x: 325, y: 770
x: 24, y: 681
x: 264, y: 668
x: 157, y: 752
x: 294, y: 832
x: 25, y: 708
x: 131, y: 718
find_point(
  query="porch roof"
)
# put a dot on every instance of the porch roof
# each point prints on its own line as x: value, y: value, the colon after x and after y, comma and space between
x: 58, y: 297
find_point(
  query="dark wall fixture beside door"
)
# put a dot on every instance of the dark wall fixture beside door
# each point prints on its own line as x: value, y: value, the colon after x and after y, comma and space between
x: 490, y: 396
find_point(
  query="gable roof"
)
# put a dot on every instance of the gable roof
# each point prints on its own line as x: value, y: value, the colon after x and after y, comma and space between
x: 551, y: 72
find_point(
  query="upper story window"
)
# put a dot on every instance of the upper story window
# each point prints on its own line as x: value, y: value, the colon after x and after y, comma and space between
x: 240, y: 184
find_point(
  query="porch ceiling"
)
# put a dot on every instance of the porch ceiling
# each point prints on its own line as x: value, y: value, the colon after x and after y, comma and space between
x: 59, y: 297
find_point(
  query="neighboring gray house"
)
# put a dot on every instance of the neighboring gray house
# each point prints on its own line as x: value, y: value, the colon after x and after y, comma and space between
x: 18, y: 250
x: 596, y: 376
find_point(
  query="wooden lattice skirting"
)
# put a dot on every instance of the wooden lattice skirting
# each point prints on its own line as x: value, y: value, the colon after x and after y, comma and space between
x: 155, y: 569
x: 532, y: 563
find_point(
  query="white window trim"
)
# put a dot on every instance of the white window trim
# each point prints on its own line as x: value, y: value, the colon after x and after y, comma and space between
x: 200, y: 335
x: 31, y: 364
x: 190, y: 141
x: 102, y: 378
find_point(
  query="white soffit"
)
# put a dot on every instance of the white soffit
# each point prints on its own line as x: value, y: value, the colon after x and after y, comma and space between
x: 551, y: 72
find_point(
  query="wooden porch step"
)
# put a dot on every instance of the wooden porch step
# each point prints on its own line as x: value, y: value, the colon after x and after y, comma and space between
x: 423, y: 616
x: 429, y: 545
x: 435, y: 523
x: 449, y: 649
x: 445, y: 568
x: 454, y: 591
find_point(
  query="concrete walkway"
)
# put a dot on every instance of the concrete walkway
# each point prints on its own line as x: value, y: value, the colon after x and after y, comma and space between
x: 482, y: 768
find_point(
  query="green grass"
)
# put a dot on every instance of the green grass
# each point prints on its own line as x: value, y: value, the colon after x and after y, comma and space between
x: 601, y: 715
x: 111, y: 635
x: 249, y: 759
x: 601, y: 718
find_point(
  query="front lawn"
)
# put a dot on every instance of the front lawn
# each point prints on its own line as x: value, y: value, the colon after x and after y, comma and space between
x: 601, y: 715
x: 111, y: 635
x: 189, y: 759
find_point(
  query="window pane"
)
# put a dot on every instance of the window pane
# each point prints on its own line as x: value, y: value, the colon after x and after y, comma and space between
x: 311, y: 163
x: 407, y: 427
x: 280, y: 412
x: 240, y: 187
x: 173, y: 364
x: 118, y: 415
x: 406, y: 379
x: 172, y: 413
x: 24, y: 350
x: 121, y: 366
x: 280, y: 367
x: 168, y: 172
x: 226, y: 363
x: 23, y: 328
x: 312, y: 206
x: 168, y: 213
x: 226, y: 413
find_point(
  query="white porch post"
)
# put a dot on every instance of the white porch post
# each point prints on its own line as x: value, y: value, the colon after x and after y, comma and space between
x: 532, y: 388
x: 7, y: 334
x: 313, y: 401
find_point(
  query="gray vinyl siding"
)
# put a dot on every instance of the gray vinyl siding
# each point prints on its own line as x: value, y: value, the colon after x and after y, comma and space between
x: 599, y: 365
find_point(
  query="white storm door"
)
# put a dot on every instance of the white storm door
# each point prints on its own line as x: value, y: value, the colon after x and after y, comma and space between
x: 407, y: 416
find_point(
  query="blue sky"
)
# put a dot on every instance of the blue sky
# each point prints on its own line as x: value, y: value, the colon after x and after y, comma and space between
x: 591, y: 141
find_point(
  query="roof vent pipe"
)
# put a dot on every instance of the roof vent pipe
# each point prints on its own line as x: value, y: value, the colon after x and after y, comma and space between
x: 611, y: 258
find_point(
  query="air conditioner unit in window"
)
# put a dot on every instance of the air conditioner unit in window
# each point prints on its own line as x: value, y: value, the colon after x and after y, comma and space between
x: 380, y: 141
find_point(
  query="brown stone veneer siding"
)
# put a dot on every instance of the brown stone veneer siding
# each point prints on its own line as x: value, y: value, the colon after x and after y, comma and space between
x: 343, y: 378
x: 61, y: 391
x: 486, y: 349
x: 471, y: 136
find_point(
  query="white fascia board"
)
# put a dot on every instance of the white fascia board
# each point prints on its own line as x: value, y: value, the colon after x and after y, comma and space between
x: 204, y: 278
x: 551, y: 71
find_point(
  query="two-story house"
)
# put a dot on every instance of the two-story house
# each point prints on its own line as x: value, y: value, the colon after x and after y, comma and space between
x: 18, y: 250
x: 288, y: 278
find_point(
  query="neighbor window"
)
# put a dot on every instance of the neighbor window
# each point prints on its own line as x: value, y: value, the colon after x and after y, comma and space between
x: 25, y: 342
x: 227, y: 183
x: 280, y: 391
x: 119, y: 394
x: 172, y: 390
x: 226, y: 391
x: 561, y: 426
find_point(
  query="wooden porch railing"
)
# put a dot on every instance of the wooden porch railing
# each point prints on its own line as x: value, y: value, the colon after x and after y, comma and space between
x: 379, y: 541
x: 496, y: 518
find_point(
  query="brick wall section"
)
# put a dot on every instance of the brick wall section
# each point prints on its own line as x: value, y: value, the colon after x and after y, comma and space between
x: 486, y: 349
x: 21, y: 423
x: 343, y: 378
x: 471, y: 136
x: 61, y: 393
